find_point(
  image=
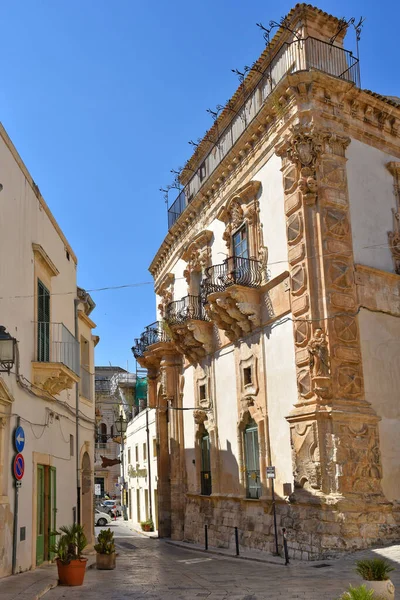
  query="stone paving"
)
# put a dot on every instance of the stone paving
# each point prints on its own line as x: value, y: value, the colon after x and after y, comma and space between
x: 152, y: 569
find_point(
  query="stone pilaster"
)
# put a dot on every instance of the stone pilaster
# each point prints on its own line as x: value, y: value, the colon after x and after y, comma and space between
x: 334, y: 431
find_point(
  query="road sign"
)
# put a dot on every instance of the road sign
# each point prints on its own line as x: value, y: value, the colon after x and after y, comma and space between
x: 18, y: 466
x: 19, y: 439
x: 270, y: 472
x: 97, y: 489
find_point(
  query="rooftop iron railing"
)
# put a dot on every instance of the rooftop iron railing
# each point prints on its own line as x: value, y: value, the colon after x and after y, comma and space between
x: 299, y: 55
x: 189, y: 307
x: 153, y: 334
x: 56, y: 344
x: 233, y: 271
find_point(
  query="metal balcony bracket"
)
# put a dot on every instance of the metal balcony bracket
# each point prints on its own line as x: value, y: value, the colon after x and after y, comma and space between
x: 235, y: 310
x: 53, y: 378
x: 194, y: 339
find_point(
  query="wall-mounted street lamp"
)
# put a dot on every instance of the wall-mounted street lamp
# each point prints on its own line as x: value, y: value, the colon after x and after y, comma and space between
x: 121, y: 425
x: 7, y: 351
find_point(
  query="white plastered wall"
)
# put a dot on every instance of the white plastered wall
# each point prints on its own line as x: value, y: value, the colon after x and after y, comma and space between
x: 281, y: 396
x: 189, y: 430
x: 380, y: 347
x: 227, y: 415
x: 272, y: 215
x: 372, y: 198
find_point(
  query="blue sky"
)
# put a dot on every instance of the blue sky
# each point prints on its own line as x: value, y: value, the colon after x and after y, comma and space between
x: 101, y: 98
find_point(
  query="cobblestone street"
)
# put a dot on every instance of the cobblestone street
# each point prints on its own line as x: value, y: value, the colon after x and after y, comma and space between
x: 151, y: 568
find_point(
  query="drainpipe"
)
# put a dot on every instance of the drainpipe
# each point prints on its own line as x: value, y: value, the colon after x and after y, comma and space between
x: 149, y: 463
x: 78, y: 478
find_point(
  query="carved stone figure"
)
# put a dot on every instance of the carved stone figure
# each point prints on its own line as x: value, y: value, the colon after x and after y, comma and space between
x: 319, y: 354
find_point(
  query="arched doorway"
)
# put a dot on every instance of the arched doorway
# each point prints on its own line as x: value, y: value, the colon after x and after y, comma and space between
x: 87, y: 497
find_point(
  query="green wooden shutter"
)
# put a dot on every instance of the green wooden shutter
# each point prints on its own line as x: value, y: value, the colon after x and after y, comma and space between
x: 43, y: 323
x: 40, y: 516
x: 52, y: 510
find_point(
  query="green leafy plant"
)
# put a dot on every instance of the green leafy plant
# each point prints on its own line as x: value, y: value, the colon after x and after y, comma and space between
x: 71, y: 543
x: 358, y: 593
x: 147, y: 525
x: 105, y: 542
x: 374, y: 569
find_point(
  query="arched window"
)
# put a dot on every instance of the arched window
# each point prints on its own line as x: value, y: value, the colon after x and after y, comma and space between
x: 205, y: 465
x: 252, y: 460
x: 103, y: 433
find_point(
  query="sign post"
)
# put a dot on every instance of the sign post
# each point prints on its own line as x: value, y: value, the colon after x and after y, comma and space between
x: 271, y: 476
x: 18, y: 468
x: 97, y: 489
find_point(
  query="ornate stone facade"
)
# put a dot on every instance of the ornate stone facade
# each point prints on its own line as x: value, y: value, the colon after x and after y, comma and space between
x: 299, y: 386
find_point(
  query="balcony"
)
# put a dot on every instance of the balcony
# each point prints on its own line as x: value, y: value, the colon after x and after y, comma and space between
x: 190, y: 327
x: 145, y: 348
x: 232, y: 290
x: 56, y: 367
x: 308, y: 54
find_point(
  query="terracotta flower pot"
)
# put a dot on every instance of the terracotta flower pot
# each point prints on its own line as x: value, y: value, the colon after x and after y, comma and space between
x: 73, y: 573
x: 382, y: 589
x: 105, y: 562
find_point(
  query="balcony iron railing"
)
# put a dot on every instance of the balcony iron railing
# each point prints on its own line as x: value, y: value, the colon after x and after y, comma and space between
x: 56, y: 344
x: 153, y: 334
x: 189, y: 307
x: 233, y: 271
x: 86, y: 384
x: 299, y: 55
x: 205, y: 477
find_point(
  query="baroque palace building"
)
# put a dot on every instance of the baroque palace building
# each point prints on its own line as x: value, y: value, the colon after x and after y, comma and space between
x: 278, y: 302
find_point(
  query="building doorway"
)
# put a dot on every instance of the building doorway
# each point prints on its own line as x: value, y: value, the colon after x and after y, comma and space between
x: 87, y: 497
x: 46, y: 512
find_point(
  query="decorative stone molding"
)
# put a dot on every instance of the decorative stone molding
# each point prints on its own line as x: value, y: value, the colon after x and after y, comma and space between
x: 43, y: 258
x: 198, y: 254
x: 202, y: 381
x: 237, y: 310
x: 193, y: 339
x: 324, y: 304
x: 165, y: 290
x: 6, y: 398
x: 53, y: 378
x: 394, y: 236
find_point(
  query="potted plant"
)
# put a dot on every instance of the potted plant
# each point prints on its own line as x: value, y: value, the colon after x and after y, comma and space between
x: 71, y: 564
x: 375, y: 572
x: 358, y: 593
x: 105, y: 548
x: 147, y: 525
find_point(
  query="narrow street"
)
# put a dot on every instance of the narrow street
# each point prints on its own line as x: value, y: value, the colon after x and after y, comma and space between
x: 151, y: 568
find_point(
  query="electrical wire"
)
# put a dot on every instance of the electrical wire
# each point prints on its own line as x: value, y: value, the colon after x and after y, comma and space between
x: 143, y: 283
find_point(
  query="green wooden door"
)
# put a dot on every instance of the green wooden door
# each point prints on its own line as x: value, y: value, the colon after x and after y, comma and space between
x: 252, y: 460
x: 40, y: 516
x: 52, y: 510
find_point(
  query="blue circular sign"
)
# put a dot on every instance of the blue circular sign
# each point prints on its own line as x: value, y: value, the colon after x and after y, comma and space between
x: 19, y: 439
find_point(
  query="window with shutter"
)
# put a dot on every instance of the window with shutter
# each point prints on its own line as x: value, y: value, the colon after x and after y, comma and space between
x: 252, y: 460
x: 43, y: 323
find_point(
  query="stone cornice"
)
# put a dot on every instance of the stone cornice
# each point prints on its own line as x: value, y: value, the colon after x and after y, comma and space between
x: 338, y: 104
x: 200, y: 240
x: 45, y: 260
x: 85, y: 319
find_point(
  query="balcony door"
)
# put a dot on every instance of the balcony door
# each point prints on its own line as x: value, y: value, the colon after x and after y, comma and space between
x: 240, y: 243
x: 46, y: 503
x: 252, y: 459
x: 43, y: 318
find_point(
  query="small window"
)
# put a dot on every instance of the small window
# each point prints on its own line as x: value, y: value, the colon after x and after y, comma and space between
x: 202, y: 392
x: 71, y: 445
x: 247, y: 376
x: 144, y: 452
x: 202, y: 171
x: 67, y: 254
x: 154, y: 447
x: 137, y: 453
x: 129, y: 456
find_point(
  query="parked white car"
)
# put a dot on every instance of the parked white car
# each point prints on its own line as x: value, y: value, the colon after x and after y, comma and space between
x: 101, y: 518
x: 113, y: 505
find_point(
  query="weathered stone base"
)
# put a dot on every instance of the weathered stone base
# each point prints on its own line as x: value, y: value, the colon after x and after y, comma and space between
x: 316, y: 529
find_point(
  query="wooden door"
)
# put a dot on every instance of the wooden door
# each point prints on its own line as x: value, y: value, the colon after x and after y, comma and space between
x: 40, y: 517
x: 52, y: 510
